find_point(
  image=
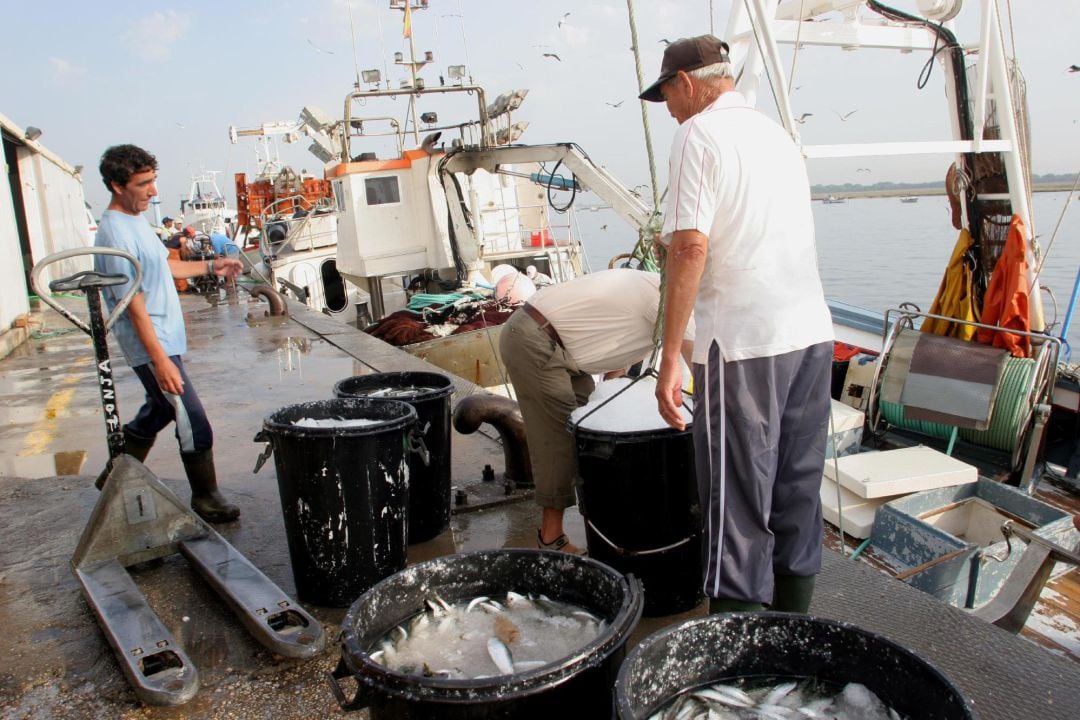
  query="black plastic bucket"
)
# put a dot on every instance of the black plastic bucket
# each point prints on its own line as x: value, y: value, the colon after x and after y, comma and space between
x: 580, y: 685
x: 429, y: 483
x: 344, y: 493
x: 766, y: 645
x: 639, y: 498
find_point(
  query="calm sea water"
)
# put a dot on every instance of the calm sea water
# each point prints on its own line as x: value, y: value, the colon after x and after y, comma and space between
x: 878, y: 252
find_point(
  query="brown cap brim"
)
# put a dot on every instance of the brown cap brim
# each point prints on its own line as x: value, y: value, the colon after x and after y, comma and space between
x: 652, y: 93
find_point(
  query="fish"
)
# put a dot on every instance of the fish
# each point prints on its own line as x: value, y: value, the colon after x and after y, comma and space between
x: 500, y: 655
x: 778, y: 693
x: 726, y: 695
x: 476, y: 601
x: 404, y: 633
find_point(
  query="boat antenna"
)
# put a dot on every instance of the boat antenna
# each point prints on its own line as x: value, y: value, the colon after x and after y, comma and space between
x: 644, y: 107
x: 382, y: 50
x: 352, y: 36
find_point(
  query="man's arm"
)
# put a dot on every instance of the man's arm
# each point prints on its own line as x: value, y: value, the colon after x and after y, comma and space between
x: 222, y: 267
x: 685, y: 265
x: 168, y: 375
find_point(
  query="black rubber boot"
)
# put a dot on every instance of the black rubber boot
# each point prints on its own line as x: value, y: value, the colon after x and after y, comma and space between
x: 792, y: 593
x: 725, y: 605
x: 134, y: 446
x: 206, y: 500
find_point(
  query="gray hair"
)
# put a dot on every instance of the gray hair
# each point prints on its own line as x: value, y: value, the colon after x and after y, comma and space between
x: 709, y: 73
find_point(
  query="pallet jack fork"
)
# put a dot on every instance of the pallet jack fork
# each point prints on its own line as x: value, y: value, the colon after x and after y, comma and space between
x: 137, y: 518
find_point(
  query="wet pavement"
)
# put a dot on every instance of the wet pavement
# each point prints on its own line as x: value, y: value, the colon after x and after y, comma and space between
x: 56, y: 662
x: 52, y: 444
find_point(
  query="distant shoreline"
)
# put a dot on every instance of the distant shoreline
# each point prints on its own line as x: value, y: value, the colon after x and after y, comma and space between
x: 920, y: 192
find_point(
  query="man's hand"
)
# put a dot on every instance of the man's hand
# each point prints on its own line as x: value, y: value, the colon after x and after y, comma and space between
x: 227, y: 268
x: 168, y: 376
x: 669, y: 393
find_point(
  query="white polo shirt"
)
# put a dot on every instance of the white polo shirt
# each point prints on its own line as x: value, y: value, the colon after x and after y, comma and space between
x: 604, y: 319
x: 738, y: 178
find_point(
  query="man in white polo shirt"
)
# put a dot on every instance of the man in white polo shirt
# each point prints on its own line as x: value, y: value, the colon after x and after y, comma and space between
x: 597, y: 324
x: 741, y: 254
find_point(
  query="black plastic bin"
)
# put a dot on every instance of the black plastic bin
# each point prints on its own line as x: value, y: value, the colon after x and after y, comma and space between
x: 720, y: 648
x: 344, y: 494
x: 579, y: 686
x: 639, y: 498
x: 429, y: 483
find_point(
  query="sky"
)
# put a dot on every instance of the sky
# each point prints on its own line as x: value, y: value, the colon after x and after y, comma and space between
x: 173, y: 76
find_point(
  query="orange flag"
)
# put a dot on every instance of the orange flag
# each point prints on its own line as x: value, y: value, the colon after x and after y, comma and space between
x: 407, y: 29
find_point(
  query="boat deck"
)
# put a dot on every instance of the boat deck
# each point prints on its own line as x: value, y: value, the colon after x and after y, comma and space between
x: 57, y: 663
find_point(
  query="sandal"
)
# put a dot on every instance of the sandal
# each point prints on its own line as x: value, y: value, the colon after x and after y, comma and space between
x: 559, y: 544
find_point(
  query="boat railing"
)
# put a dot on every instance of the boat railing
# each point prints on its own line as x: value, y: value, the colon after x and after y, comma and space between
x: 294, y: 231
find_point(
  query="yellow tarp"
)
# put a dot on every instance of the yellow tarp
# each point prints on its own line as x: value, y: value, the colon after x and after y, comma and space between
x: 955, y: 298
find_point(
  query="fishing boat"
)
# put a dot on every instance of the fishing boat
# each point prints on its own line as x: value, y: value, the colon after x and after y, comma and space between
x: 290, y: 219
x: 832, y: 200
x: 205, y: 207
x: 431, y: 209
x: 886, y: 367
x: 909, y: 199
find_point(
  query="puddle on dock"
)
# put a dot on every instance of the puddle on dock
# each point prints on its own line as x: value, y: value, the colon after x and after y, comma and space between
x: 67, y: 462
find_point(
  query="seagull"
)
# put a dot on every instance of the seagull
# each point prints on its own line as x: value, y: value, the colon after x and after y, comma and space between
x: 862, y: 170
x: 319, y: 49
x: 553, y: 55
x: 1074, y: 68
x: 180, y: 125
x: 665, y: 41
x: 603, y: 227
x: 565, y: 15
x: 615, y: 104
x: 845, y: 116
x: 802, y: 118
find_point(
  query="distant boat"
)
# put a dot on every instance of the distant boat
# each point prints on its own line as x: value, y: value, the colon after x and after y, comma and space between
x: 909, y: 199
x: 832, y: 199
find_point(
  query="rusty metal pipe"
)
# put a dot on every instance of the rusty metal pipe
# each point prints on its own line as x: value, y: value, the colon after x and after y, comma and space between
x: 272, y: 296
x: 505, y: 416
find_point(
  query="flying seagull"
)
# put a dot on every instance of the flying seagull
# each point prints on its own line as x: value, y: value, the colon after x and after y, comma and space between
x: 845, y: 116
x: 802, y: 118
x: 180, y: 125
x: 665, y: 41
x: 603, y: 227
x: 553, y: 55
x: 319, y: 49
x: 561, y: 21
x: 615, y: 104
x: 1074, y: 68
x: 862, y: 170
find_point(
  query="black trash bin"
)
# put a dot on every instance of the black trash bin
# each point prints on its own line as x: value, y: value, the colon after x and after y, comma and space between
x: 639, y: 498
x: 578, y: 686
x: 429, y: 483
x: 344, y: 494
x: 720, y: 648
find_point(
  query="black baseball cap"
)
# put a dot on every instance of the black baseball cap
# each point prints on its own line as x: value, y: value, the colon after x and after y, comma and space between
x: 686, y: 54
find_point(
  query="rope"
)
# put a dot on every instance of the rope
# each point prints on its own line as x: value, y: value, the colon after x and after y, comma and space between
x: 795, y: 52
x: 644, y: 109
x: 1061, y: 217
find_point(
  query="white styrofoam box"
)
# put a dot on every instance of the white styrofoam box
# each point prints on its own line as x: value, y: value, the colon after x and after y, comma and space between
x: 898, y: 472
x: 846, y: 427
x: 858, y: 512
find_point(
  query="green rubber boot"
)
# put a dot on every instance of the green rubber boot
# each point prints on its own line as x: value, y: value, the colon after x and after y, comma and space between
x: 726, y: 605
x: 206, y: 499
x: 792, y: 593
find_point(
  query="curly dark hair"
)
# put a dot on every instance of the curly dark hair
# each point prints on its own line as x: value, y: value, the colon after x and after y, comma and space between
x: 120, y: 162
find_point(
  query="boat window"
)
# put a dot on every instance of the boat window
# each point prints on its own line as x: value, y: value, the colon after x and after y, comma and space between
x: 382, y: 190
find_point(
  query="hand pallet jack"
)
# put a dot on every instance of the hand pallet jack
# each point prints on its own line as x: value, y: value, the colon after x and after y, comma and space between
x: 137, y: 518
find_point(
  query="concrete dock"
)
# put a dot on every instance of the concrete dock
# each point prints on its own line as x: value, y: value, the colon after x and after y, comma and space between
x: 57, y: 664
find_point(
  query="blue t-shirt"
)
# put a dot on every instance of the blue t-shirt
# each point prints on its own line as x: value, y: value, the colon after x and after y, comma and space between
x: 219, y: 242
x: 133, y: 234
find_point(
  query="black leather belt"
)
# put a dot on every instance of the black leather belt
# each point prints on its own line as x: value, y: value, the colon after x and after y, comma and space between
x: 543, y: 323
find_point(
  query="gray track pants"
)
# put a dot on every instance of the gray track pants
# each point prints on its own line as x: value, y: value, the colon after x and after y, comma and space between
x: 760, y: 427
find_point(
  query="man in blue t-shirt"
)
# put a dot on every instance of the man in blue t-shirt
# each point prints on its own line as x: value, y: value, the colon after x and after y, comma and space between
x: 151, y: 331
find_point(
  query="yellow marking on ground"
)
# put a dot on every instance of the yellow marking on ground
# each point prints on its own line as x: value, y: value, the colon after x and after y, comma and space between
x: 43, y: 432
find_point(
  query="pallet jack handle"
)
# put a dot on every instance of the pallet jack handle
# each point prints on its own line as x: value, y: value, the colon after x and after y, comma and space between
x: 91, y: 283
